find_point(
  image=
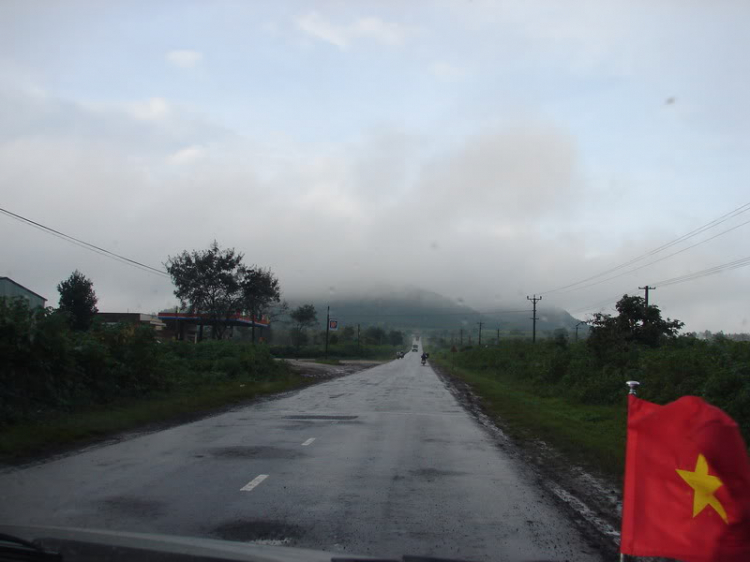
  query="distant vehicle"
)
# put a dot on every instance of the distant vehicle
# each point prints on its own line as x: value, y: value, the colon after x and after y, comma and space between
x: 400, y: 354
x: 415, y: 348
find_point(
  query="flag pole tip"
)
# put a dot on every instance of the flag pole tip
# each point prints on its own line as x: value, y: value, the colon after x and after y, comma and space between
x: 633, y: 385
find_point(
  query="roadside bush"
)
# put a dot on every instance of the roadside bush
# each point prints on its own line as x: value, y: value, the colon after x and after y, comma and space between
x: 717, y: 370
x: 47, y: 367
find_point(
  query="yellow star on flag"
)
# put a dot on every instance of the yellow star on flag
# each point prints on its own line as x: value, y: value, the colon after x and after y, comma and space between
x: 704, y: 485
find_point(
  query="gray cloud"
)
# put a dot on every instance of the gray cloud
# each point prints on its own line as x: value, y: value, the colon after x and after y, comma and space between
x: 489, y: 218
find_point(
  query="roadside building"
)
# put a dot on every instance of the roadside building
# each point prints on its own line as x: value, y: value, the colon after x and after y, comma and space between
x: 135, y: 318
x: 194, y: 326
x: 10, y: 289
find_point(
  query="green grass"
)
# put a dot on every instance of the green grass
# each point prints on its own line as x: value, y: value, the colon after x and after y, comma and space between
x: 31, y: 438
x: 592, y: 436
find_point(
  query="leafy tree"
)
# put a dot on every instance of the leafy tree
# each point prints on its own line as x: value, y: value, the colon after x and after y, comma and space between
x: 561, y: 337
x: 299, y: 338
x: 376, y: 335
x: 78, y: 300
x: 634, y: 323
x: 260, y: 290
x: 348, y: 333
x: 209, y: 282
x: 303, y: 316
x: 395, y: 337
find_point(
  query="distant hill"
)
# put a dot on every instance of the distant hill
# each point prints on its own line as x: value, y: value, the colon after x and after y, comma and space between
x: 414, y: 309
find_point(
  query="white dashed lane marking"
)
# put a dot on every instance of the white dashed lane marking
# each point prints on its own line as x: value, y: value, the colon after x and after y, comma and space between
x: 309, y: 441
x: 253, y: 483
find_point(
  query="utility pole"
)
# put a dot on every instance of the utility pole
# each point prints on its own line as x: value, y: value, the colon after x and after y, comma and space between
x: 646, y: 288
x: 328, y: 326
x: 480, y: 334
x: 461, y: 341
x: 498, y: 336
x: 359, y: 352
x: 534, y: 299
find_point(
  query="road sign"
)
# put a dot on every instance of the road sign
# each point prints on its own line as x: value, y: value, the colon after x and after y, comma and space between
x: 333, y: 325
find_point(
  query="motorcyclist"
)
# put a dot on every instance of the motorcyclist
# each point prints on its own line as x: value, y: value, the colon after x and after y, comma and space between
x: 424, y: 357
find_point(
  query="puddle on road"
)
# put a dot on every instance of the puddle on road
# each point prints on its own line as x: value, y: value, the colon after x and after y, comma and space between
x: 130, y: 506
x: 254, y: 453
x: 261, y: 531
x: 320, y: 417
x: 432, y: 473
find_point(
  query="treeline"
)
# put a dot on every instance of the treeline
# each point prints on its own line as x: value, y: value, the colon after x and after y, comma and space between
x: 637, y: 344
x: 374, y: 343
x: 370, y: 336
x: 47, y: 366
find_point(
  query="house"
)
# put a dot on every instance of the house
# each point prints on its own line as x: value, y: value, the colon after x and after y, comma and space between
x: 10, y: 289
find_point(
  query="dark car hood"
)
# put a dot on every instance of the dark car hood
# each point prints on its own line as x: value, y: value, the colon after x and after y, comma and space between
x: 116, y: 546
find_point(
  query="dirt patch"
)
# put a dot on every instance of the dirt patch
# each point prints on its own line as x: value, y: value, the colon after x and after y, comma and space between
x: 592, y: 501
x: 308, y: 368
x: 258, y: 530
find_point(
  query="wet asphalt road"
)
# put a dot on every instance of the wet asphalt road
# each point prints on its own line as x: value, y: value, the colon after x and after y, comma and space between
x: 383, y: 462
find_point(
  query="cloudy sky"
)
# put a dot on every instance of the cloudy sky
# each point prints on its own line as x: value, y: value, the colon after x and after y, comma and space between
x: 483, y: 150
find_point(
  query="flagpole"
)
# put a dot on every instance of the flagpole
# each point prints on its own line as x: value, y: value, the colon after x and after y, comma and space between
x: 633, y: 386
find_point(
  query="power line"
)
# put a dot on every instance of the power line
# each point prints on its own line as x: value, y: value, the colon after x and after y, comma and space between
x: 729, y: 266
x: 421, y: 314
x: 727, y: 216
x: 83, y: 244
x: 660, y: 259
x: 736, y: 264
x: 600, y: 304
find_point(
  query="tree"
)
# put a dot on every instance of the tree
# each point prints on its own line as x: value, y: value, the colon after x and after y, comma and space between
x: 395, y: 337
x: 634, y: 323
x: 303, y: 316
x: 260, y: 290
x: 209, y: 282
x: 78, y: 300
x: 376, y: 335
x: 348, y: 333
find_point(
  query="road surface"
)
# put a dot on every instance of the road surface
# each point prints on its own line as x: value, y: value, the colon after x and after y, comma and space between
x: 382, y: 462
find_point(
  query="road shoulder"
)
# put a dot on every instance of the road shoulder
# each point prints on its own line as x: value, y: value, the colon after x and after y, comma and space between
x: 591, y: 500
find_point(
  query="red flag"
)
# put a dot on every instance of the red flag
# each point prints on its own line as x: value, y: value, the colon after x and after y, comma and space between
x: 687, y: 483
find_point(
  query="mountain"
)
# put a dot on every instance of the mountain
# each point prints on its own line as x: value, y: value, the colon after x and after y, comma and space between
x: 412, y: 308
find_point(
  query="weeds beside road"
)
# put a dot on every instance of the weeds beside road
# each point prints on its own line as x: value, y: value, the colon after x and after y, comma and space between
x: 574, y: 398
x: 59, y: 386
x: 59, y: 431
